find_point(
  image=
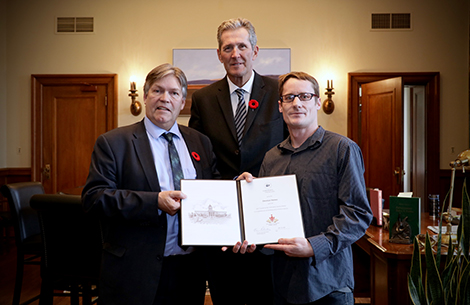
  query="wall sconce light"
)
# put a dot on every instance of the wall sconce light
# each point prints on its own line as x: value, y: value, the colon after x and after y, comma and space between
x: 328, y: 104
x: 136, y: 107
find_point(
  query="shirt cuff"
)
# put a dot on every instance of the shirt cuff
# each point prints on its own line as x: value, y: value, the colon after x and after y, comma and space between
x: 321, y: 247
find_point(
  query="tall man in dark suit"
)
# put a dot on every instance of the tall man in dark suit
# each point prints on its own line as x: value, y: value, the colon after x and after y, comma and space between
x: 240, y: 116
x: 134, y: 188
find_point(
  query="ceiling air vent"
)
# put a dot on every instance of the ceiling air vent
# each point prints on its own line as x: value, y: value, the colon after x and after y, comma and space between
x: 391, y: 21
x: 69, y: 25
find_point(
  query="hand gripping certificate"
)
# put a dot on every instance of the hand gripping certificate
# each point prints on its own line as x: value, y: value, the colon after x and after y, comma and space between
x: 223, y: 212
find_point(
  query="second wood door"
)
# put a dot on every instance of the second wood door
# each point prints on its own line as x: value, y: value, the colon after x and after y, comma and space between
x: 69, y: 113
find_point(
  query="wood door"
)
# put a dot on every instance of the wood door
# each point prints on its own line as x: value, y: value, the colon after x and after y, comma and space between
x: 430, y: 80
x: 382, y: 135
x: 69, y: 113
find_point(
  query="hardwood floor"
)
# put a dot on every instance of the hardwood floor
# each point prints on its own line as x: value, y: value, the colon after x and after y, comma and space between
x: 31, y: 279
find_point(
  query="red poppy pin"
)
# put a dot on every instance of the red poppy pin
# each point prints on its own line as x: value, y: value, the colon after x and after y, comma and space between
x: 195, y: 156
x: 253, y: 104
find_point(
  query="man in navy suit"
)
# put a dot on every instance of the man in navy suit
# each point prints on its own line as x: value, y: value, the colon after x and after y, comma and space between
x: 130, y: 185
x: 234, y: 278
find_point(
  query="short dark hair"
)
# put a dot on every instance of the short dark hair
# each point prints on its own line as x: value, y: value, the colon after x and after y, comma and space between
x: 301, y: 76
x: 164, y: 70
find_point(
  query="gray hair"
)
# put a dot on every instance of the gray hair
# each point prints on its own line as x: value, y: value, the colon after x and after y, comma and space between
x: 233, y: 24
x: 164, y: 70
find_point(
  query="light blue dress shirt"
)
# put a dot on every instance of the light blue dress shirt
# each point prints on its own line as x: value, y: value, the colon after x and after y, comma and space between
x: 161, y: 158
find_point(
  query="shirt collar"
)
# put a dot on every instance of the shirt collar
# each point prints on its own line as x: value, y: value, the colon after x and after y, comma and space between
x: 317, y: 137
x: 156, y: 131
x: 248, y: 86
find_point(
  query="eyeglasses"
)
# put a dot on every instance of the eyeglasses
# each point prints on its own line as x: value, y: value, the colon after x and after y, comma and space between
x: 304, y: 97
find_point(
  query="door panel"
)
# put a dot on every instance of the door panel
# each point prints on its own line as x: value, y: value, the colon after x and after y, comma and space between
x: 382, y: 135
x: 431, y: 83
x: 69, y: 115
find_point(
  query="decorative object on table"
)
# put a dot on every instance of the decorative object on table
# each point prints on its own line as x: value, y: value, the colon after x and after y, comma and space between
x: 451, y: 284
x: 405, y: 219
x: 386, y: 219
x: 375, y: 199
x: 434, y: 208
x: 461, y: 161
x: 328, y: 104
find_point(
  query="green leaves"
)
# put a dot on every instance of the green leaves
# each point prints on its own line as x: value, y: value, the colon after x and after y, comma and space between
x: 452, y: 285
x: 415, y: 284
x: 433, y: 279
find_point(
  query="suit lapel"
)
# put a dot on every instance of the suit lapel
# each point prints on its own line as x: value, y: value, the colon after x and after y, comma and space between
x: 257, y: 93
x: 143, y: 151
x: 193, y: 147
x: 225, y: 104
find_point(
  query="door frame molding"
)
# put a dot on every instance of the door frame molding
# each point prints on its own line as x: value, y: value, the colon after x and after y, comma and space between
x: 39, y: 81
x: 431, y: 82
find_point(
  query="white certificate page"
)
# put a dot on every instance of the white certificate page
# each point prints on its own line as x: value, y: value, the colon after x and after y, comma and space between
x: 210, y: 213
x: 271, y: 209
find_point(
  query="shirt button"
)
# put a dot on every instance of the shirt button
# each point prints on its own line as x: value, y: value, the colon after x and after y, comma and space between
x: 237, y: 152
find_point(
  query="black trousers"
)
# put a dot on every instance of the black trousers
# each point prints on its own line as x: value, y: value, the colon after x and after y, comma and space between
x: 182, y: 280
x: 239, y: 279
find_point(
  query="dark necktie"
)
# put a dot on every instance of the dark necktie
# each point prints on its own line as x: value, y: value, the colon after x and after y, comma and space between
x: 174, y: 161
x: 240, y: 115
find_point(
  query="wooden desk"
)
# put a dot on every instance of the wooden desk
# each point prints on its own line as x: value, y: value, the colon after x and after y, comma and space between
x: 389, y: 264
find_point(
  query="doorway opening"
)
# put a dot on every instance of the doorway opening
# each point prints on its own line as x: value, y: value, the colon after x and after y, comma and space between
x: 414, y: 146
x: 423, y: 110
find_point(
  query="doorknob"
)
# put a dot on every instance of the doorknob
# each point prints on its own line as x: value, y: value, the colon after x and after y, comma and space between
x: 46, y: 171
x: 399, y: 173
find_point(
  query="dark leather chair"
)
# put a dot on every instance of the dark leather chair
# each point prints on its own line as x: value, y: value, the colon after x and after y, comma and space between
x: 72, y: 248
x: 6, y: 222
x: 26, y: 226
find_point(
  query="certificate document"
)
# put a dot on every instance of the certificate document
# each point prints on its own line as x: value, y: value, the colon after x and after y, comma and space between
x: 223, y: 212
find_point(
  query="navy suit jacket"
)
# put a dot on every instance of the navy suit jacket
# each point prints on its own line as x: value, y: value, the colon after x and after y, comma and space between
x: 212, y: 114
x: 122, y: 187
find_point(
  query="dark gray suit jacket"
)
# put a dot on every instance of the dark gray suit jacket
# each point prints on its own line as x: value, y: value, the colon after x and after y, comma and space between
x: 122, y: 187
x: 211, y: 114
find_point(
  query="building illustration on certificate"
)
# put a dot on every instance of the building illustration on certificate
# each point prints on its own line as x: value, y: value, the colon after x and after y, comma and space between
x: 209, y: 212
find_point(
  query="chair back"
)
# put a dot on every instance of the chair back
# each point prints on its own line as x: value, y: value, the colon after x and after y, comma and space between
x: 71, y: 238
x: 26, y: 222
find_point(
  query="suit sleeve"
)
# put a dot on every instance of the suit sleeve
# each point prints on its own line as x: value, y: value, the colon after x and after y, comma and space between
x: 195, y: 119
x: 114, y: 186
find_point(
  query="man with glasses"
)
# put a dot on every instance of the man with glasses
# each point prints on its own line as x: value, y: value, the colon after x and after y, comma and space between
x: 316, y: 268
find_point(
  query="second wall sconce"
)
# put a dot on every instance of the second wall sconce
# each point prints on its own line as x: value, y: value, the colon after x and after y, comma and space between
x: 328, y: 104
x: 136, y: 107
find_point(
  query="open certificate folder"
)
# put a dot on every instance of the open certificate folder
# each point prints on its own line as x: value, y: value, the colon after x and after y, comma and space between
x: 223, y: 212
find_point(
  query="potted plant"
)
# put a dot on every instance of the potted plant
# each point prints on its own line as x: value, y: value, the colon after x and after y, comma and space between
x: 430, y: 284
